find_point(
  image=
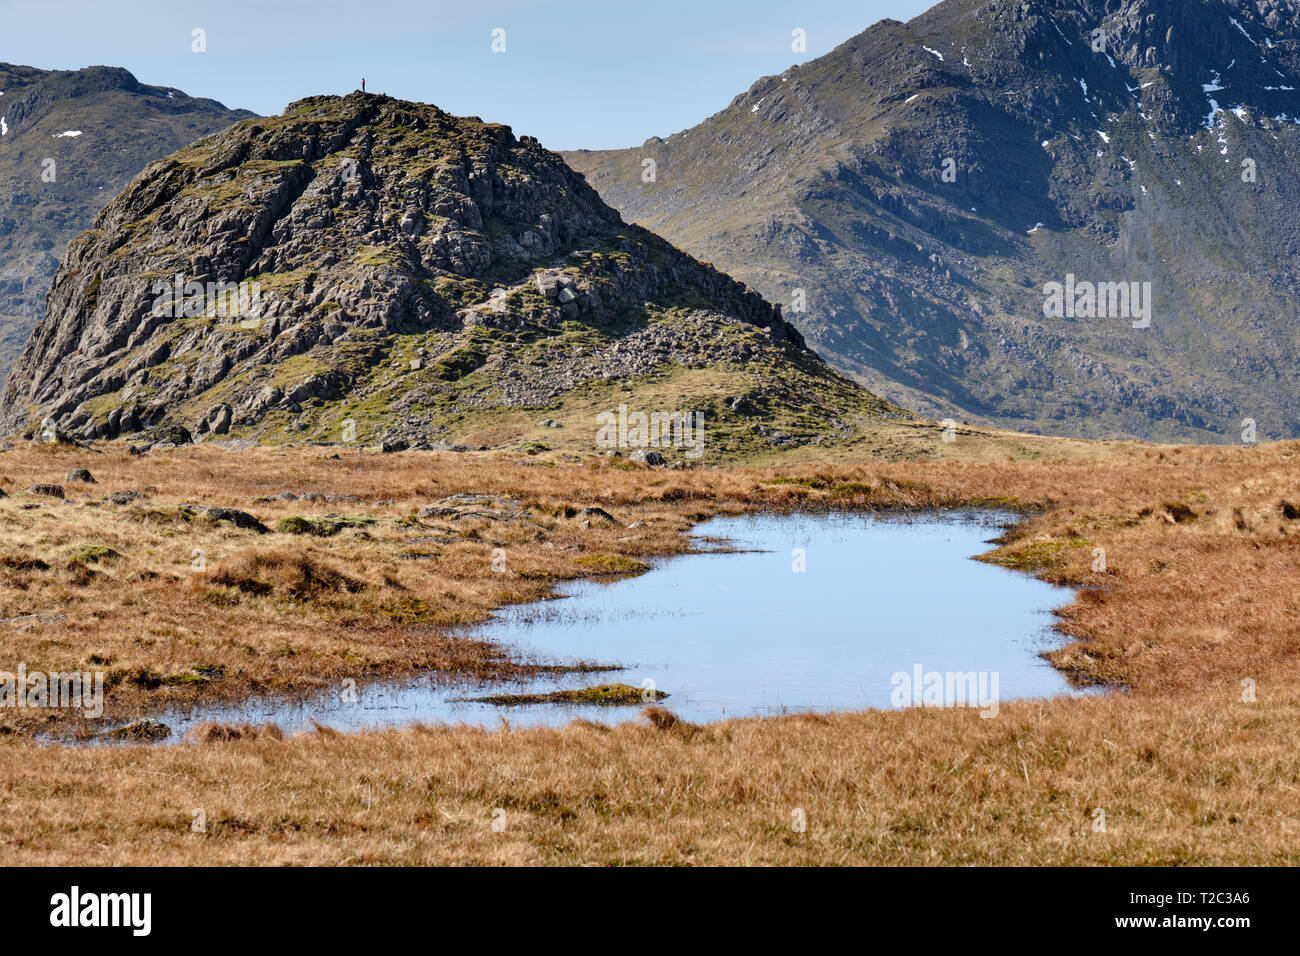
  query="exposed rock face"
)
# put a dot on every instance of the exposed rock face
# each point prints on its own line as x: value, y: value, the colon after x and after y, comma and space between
x: 1170, y: 155
x: 71, y: 140
x: 387, y: 269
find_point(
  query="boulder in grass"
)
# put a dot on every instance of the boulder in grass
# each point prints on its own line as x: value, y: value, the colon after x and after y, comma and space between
x: 646, y: 456
x: 123, y: 497
x: 240, y: 519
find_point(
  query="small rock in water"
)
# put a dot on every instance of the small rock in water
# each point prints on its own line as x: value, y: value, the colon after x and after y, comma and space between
x: 139, y: 730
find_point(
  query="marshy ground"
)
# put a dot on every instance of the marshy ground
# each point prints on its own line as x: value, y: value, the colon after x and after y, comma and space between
x: 1187, y: 560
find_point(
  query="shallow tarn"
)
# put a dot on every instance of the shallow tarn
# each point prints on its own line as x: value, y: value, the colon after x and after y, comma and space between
x: 774, y: 614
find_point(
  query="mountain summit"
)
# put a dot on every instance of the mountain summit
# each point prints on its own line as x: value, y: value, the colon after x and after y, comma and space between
x: 367, y: 269
x: 933, y: 188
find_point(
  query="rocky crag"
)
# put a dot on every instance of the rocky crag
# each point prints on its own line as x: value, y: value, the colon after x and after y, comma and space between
x: 366, y: 269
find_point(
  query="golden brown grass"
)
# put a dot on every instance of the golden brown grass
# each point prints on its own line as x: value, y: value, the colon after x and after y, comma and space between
x: 1204, y: 779
x: 1198, y: 594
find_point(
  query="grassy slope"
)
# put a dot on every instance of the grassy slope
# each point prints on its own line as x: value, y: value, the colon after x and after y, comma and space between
x: 468, y: 405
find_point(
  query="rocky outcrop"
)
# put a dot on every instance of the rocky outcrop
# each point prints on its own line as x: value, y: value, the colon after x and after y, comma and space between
x: 367, y: 264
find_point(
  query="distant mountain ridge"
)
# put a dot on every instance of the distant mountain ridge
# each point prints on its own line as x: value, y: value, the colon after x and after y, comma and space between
x: 99, y: 126
x: 1167, y: 154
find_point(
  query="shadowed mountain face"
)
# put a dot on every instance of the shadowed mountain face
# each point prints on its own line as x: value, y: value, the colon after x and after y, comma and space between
x: 363, y: 268
x: 924, y: 184
x: 69, y: 141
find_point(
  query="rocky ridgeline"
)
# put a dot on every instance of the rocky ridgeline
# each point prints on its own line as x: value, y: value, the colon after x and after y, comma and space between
x: 367, y: 260
x: 924, y: 181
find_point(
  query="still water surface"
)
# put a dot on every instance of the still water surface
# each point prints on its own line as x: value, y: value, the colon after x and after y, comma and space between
x: 744, y: 633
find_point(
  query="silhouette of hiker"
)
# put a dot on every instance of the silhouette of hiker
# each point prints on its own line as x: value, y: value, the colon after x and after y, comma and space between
x: 363, y: 84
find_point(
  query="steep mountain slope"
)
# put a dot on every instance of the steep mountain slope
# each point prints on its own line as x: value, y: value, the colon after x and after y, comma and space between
x: 370, y: 269
x: 69, y: 141
x: 1169, y: 155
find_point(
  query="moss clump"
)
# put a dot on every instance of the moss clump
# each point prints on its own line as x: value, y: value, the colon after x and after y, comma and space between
x: 611, y: 564
x: 94, y: 553
x: 296, y: 524
x: 380, y: 257
x: 322, y: 526
x: 605, y: 695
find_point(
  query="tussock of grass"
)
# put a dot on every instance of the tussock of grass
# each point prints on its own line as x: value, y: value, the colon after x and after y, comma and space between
x: 1200, y: 780
x: 1037, y: 555
x: 211, y: 733
x: 22, y: 562
x: 285, y: 574
x: 611, y: 564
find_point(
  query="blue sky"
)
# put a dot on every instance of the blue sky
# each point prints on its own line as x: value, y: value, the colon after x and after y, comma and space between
x: 575, y: 73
